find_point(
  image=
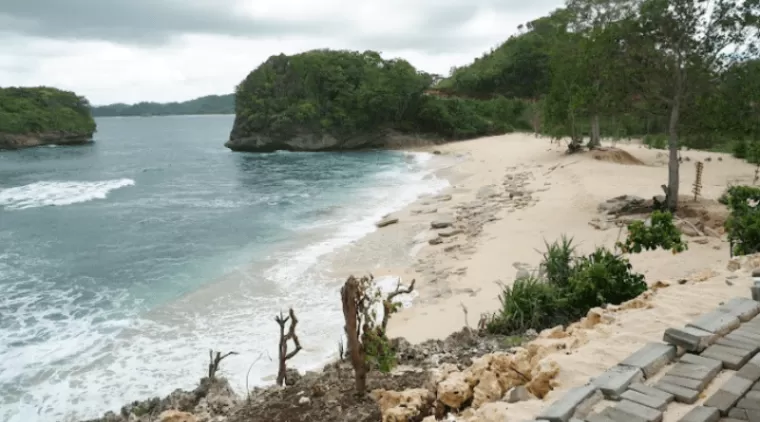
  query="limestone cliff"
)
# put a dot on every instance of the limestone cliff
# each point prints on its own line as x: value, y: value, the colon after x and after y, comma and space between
x: 17, y: 141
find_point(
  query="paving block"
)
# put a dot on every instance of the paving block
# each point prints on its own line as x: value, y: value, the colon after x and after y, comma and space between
x: 598, y: 417
x: 587, y: 405
x: 731, y: 357
x: 751, y: 369
x: 696, y: 372
x: 739, y: 343
x: 728, y: 394
x: 755, y: 293
x: 614, y: 381
x: 742, y: 336
x: 617, y: 415
x: 716, y: 322
x: 641, y: 411
x: 756, y: 387
x: 750, y: 402
x: 690, y: 338
x: 651, y: 358
x: 701, y: 414
x: 648, y: 401
x: 563, y: 408
x: 689, y: 383
x: 681, y: 394
x: 741, y: 307
x: 747, y: 332
x: 652, y: 392
x: 712, y: 364
x: 740, y: 414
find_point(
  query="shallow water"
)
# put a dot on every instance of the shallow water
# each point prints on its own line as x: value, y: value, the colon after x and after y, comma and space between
x: 124, y: 261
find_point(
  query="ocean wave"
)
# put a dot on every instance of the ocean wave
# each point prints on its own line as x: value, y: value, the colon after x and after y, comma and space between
x: 58, y: 193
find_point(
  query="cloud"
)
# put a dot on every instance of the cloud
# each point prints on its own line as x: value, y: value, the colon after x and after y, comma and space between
x: 162, y: 50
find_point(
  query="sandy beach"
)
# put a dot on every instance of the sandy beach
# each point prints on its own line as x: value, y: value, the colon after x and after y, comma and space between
x: 493, y: 236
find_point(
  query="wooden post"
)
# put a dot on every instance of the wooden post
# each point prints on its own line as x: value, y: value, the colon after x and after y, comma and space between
x: 698, y: 180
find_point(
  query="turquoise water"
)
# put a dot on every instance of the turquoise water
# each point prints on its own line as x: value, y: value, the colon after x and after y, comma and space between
x: 124, y: 261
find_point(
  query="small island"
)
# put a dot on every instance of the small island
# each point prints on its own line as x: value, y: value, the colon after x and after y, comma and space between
x: 31, y: 117
x: 328, y: 100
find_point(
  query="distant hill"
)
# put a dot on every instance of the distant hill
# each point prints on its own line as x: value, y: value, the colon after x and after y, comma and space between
x: 210, y: 104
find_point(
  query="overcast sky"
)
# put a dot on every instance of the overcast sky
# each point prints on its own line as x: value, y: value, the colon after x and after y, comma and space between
x: 174, y: 50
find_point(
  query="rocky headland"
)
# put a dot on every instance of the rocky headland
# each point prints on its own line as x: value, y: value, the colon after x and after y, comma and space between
x: 31, y: 117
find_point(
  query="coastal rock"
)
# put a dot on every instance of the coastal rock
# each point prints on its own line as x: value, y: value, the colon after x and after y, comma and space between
x: 487, y: 390
x: 442, y: 223
x: 519, y: 393
x: 425, y: 211
x: 17, y: 141
x: 450, y: 232
x: 442, y: 198
x: 623, y: 203
x: 176, y: 416
x: 454, y: 391
x: 386, y: 222
x: 405, y: 406
x: 435, y: 241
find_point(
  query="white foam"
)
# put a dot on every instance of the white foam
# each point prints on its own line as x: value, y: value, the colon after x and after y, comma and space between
x: 58, y: 193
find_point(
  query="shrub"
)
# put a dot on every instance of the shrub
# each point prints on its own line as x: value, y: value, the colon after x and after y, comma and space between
x: 557, y: 264
x: 740, y: 149
x: 661, y: 233
x: 570, y: 286
x: 743, y: 223
x: 601, y: 278
x: 529, y: 303
x: 659, y: 141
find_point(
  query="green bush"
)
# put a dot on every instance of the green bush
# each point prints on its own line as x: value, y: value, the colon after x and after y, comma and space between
x: 529, y: 303
x: 658, y: 141
x: 571, y: 285
x: 743, y: 222
x: 557, y: 263
x: 661, y: 233
x: 601, y: 278
x: 741, y: 149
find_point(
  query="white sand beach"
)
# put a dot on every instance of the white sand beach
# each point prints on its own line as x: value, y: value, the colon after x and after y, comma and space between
x: 502, y: 235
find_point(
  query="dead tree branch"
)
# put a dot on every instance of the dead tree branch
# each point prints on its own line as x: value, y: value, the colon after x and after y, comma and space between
x: 214, y: 361
x: 389, y: 307
x: 284, y: 356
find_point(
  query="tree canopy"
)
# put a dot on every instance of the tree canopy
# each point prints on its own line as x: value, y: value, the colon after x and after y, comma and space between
x: 210, y: 104
x: 44, y: 109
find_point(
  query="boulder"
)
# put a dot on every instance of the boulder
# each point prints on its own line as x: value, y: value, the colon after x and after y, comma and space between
x: 442, y: 223
x: 454, y: 391
x: 405, y: 406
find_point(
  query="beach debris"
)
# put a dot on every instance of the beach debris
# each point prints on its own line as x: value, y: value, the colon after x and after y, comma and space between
x: 283, y: 354
x: 386, y: 222
x: 214, y: 361
x: 620, y: 204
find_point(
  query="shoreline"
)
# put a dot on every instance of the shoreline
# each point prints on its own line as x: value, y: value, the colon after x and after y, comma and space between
x: 507, y: 195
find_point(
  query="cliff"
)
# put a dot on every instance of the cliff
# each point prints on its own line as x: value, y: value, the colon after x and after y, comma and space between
x: 32, y: 117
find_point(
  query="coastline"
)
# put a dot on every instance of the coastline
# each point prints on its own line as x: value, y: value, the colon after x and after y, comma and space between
x: 467, y: 271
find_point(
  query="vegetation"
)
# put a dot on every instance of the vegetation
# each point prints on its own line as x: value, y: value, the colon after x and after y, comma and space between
x: 43, y: 109
x: 659, y: 233
x: 743, y: 223
x: 210, y: 104
x: 569, y: 286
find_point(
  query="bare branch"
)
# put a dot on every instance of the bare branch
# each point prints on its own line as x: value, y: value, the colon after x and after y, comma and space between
x: 284, y: 355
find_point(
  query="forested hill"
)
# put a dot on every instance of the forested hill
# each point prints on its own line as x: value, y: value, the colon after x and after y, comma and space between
x: 43, y: 115
x: 210, y: 104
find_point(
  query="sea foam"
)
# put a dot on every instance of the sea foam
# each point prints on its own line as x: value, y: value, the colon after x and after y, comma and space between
x: 58, y: 193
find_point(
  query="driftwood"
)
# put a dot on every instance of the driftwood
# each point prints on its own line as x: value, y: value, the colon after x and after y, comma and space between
x: 284, y: 356
x: 351, y: 296
x: 214, y: 361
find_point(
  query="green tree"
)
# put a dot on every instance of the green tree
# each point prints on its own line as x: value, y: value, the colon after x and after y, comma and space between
x: 674, y: 49
x: 44, y: 109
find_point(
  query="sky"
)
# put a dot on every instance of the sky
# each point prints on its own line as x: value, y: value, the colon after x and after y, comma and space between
x: 174, y: 50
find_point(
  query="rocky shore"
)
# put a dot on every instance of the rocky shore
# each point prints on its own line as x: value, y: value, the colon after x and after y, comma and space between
x: 29, y: 140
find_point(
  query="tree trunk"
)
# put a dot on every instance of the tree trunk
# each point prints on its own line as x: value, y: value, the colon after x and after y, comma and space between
x: 349, y: 295
x: 673, y: 164
x: 595, y: 141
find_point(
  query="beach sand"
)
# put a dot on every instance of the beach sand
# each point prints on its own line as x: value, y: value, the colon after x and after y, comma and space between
x: 502, y: 235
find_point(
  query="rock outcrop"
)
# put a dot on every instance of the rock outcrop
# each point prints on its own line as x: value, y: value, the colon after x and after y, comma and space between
x: 304, y: 140
x: 28, y: 140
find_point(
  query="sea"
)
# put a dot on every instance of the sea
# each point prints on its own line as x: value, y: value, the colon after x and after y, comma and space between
x: 123, y: 262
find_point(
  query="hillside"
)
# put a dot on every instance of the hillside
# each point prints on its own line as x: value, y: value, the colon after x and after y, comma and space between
x: 43, y: 115
x: 210, y: 104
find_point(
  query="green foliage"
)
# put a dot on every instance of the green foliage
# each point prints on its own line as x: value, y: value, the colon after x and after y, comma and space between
x: 557, y: 263
x: 743, y: 223
x: 43, y: 109
x: 529, y: 303
x: 210, y: 104
x: 660, y: 233
x: 378, y: 351
x: 571, y: 286
x: 658, y: 141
